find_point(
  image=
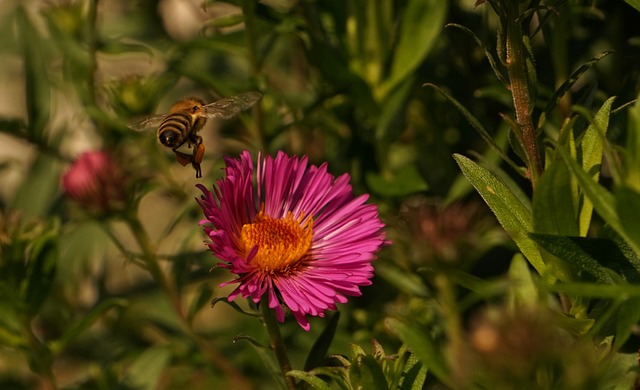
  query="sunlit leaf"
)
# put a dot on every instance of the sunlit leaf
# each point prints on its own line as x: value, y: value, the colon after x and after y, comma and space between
x: 590, y: 148
x: 513, y: 215
x: 421, y: 24
x: 312, y: 380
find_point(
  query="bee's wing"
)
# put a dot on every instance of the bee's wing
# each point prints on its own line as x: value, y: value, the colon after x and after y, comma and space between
x: 146, y: 123
x: 230, y: 106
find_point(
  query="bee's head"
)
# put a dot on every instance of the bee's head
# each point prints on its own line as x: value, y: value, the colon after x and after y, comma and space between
x: 169, y: 138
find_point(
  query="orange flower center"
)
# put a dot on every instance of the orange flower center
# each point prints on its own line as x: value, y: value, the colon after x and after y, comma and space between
x: 282, y: 243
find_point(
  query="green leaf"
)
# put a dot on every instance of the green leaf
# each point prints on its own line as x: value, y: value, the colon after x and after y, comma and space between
x: 523, y: 291
x: 603, y: 201
x: 590, y: 148
x: 423, y: 346
x: 513, y: 215
x: 627, y: 317
x: 42, y: 262
x: 421, y: 24
x: 314, y: 381
x: 366, y: 373
x: 555, y: 201
x: 85, y: 322
x: 575, y: 76
x: 39, y: 190
x: 321, y: 346
x: 38, y: 89
x: 414, y: 375
x: 144, y: 373
x: 595, y: 290
x: 589, y: 255
x: 406, y: 181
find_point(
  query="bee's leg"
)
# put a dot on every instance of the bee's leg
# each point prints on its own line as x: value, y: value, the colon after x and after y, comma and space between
x: 196, y: 158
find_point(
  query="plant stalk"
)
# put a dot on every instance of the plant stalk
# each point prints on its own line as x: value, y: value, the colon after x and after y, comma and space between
x: 516, y: 63
x: 277, y: 344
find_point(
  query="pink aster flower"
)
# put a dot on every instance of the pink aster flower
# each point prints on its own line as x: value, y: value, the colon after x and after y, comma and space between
x: 96, y: 182
x: 293, y: 232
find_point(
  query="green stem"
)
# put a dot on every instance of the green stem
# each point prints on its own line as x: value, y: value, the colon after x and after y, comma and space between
x: 277, y: 344
x: 150, y: 262
x: 40, y: 356
x: 516, y: 62
x: 457, y: 347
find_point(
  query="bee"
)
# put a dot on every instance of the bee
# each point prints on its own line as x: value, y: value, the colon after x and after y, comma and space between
x: 186, y: 118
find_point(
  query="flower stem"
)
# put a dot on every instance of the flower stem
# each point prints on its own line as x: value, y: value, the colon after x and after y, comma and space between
x: 277, y: 344
x: 516, y: 63
x: 151, y: 264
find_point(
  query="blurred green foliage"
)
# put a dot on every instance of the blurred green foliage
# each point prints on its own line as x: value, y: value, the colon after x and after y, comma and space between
x: 545, y: 295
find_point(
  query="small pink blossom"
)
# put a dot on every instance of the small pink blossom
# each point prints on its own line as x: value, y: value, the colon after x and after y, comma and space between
x: 292, y: 232
x: 96, y: 182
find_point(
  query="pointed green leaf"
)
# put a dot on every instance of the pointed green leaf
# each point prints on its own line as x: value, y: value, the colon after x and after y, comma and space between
x: 38, y: 88
x: 85, y: 322
x: 523, y: 291
x: 42, y: 264
x: 603, y: 201
x: 421, y: 24
x: 419, y: 341
x: 590, y: 148
x: 595, y: 290
x: 366, y: 373
x: 590, y: 255
x: 575, y: 76
x: 321, y: 346
x: 555, y: 202
x: 312, y: 380
x: 513, y: 215
x: 627, y: 317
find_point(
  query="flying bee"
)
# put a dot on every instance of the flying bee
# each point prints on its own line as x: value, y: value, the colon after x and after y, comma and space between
x: 186, y: 118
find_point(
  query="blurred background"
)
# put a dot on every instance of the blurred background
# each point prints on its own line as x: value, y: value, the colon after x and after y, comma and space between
x: 342, y: 82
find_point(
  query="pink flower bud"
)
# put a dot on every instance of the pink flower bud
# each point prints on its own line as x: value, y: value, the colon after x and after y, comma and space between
x: 96, y: 182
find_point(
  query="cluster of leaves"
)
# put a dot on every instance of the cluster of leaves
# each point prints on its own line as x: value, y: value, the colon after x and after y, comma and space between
x: 384, y: 90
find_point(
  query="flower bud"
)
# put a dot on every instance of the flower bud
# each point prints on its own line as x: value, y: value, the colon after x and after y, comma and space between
x: 97, y: 183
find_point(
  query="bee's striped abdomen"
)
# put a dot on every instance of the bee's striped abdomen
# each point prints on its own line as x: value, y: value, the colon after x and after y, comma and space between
x: 174, y: 129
